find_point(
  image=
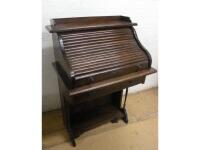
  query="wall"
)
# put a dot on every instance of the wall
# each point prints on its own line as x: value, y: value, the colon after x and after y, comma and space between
x: 144, y: 12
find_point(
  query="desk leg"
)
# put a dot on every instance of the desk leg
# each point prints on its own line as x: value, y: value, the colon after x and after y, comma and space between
x: 68, y: 125
x: 125, y: 118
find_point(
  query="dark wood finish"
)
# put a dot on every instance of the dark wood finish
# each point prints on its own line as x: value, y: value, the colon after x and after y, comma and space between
x: 117, y: 81
x: 95, y: 59
x: 88, y: 23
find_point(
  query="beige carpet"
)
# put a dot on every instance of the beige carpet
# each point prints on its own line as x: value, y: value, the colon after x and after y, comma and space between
x: 139, y: 134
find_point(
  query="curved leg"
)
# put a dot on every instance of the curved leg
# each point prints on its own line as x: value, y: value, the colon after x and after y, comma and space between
x: 125, y: 118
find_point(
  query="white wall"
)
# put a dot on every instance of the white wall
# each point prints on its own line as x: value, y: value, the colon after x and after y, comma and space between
x: 144, y: 12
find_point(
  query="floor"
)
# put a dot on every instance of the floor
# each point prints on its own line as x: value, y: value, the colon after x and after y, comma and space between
x: 141, y: 133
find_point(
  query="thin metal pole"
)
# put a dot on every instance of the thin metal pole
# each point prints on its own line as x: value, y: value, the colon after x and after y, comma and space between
x: 126, y: 93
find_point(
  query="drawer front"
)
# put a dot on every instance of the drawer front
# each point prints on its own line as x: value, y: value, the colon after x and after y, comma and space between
x: 104, y: 91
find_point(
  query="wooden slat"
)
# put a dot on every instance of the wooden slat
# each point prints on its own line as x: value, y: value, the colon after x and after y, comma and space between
x: 95, y: 40
x: 104, y: 58
x: 105, y: 48
x: 94, y: 51
x: 101, y: 53
x: 94, y: 33
x: 105, y: 65
x: 113, y: 40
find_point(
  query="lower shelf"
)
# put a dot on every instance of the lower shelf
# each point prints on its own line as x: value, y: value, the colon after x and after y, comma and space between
x: 91, y: 119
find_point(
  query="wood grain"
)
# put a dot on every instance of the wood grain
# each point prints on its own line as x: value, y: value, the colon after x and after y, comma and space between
x: 96, y: 58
